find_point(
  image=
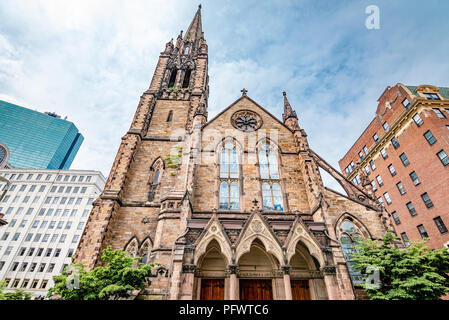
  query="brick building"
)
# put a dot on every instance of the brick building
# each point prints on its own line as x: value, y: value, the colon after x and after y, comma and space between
x: 233, y: 207
x: 402, y: 157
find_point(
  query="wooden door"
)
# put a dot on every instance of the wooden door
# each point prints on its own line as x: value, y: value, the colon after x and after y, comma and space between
x: 212, y: 289
x: 300, y: 289
x: 256, y: 289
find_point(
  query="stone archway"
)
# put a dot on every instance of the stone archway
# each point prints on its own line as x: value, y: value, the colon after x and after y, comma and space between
x: 211, y: 273
x: 258, y: 276
x: 306, y: 280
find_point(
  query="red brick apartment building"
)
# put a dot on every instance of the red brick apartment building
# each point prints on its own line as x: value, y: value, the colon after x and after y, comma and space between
x: 402, y: 156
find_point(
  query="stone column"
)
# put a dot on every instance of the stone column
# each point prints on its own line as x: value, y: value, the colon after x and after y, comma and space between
x: 186, y: 292
x: 233, y: 269
x: 287, y: 283
x: 330, y: 280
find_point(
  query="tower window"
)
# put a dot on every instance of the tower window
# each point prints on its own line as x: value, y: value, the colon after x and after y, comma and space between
x: 170, y: 116
x: 186, y: 49
x: 185, y: 83
x: 172, y: 81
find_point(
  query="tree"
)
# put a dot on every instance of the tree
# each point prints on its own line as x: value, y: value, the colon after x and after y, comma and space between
x: 17, y: 295
x: 120, y: 275
x: 413, y: 273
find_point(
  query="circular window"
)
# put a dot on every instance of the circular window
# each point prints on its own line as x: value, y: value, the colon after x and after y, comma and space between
x: 246, y: 120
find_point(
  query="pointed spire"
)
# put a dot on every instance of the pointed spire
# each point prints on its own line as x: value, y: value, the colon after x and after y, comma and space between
x: 288, y: 110
x: 195, y: 30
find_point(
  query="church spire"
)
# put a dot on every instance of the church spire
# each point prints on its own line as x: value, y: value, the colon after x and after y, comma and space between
x: 289, y: 116
x: 195, y: 30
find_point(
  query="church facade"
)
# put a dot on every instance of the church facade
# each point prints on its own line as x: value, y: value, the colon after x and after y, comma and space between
x: 233, y: 207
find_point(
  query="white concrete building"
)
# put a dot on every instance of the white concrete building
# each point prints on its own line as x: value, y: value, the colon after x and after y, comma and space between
x: 46, y: 212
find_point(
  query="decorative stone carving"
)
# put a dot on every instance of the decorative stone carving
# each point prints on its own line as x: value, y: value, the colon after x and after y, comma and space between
x: 246, y: 120
x: 213, y: 231
x: 188, y: 268
x: 233, y: 268
x: 329, y: 270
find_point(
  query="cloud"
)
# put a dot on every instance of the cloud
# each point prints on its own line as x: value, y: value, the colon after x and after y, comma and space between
x: 91, y: 61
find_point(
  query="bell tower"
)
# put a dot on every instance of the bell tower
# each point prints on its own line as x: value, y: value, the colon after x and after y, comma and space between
x: 145, y: 202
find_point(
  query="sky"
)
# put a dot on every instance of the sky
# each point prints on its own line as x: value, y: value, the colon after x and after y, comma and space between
x: 91, y: 61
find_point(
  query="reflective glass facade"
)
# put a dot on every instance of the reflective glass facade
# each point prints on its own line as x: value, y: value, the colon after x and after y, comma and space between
x: 37, y: 140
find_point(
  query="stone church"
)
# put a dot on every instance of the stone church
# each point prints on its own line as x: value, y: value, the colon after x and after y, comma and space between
x: 232, y: 207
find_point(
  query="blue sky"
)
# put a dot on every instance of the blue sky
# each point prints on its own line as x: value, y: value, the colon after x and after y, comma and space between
x: 91, y: 60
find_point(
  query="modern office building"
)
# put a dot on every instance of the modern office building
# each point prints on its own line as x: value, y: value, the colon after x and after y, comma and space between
x: 402, y: 156
x: 34, y: 140
x: 46, y: 211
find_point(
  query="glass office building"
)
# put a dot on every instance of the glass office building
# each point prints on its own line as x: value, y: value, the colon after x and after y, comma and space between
x: 37, y: 140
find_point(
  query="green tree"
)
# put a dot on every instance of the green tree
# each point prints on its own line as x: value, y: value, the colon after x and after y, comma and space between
x: 16, y: 295
x: 120, y: 275
x: 413, y: 273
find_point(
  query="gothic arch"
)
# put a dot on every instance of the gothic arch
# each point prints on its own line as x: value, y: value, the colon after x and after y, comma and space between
x: 347, y: 216
x: 132, y: 246
x: 257, y: 228
x: 228, y: 139
x: 214, y: 231
x: 156, y: 163
x: 269, y: 142
x: 299, y: 233
x: 145, y: 248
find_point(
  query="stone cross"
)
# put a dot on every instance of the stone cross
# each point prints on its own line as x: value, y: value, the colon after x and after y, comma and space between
x: 243, y: 91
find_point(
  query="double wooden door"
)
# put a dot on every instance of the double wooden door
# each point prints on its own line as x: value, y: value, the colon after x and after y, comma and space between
x: 212, y: 289
x: 256, y: 289
x: 300, y: 289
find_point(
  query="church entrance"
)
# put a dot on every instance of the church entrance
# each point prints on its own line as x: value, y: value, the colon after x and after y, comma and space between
x: 300, y: 290
x: 256, y: 289
x: 212, y: 289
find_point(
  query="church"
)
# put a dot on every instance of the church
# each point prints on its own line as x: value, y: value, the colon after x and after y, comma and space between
x: 232, y: 207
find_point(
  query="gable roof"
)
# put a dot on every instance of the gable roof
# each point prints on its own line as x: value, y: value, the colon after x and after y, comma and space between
x: 251, y: 100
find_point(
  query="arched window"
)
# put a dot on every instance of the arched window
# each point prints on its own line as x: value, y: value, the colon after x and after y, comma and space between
x: 348, y: 239
x: 172, y: 81
x: 229, y: 177
x: 186, y: 49
x: 186, y: 81
x: 156, y: 177
x: 269, y: 173
x: 156, y: 171
x: 170, y: 116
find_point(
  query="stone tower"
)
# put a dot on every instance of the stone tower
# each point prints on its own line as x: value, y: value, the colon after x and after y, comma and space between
x: 226, y: 205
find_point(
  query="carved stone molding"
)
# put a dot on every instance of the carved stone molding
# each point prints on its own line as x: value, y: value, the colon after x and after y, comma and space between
x: 286, y: 269
x: 188, y: 268
x: 329, y: 270
x: 233, y: 268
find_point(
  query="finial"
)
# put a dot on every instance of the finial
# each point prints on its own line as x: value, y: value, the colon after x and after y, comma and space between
x: 243, y: 91
x: 199, y: 7
x: 284, y: 93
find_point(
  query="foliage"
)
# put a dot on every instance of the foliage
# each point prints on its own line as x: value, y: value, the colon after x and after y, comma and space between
x: 17, y: 295
x: 413, y: 273
x: 173, y: 159
x: 121, y: 274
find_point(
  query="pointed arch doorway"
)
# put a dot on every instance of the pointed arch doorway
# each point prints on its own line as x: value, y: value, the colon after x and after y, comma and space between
x: 212, y: 271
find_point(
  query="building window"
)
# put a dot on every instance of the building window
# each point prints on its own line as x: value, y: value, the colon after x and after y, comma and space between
x: 443, y: 157
x: 386, y: 126
x: 431, y: 96
x: 387, y: 198
x: 379, y: 181
x: 440, y: 225
x: 348, y: 239
x: 429, y: 137
x: 405, y: 239
x: 356, y: 180
x: 172, y: 81
x: 380, y: 200
x: 367, y: 170
x: 418, y: 120
x: 170, y: 116
x: 361, y: 155
x: 414, y: 178
x: 365, y: 149
x: 425, y: 197
x: 411, y: 209
x: 229, y: 177
x: 34, y: 284
x: 44, y: 284
x: 404, y: 159
x: 406, y: 103
x: 350, y: 168
x: 439, y: 113
x: 383, y: 153
x: 400, y: 188
x: 375, y: 138
x: 392, y: 170
x: 373, y: 184
x: 395, y: 216
x: 269, y: 174
x: 186, y: 80
x: 422, y: 231
x: 395, y: 142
